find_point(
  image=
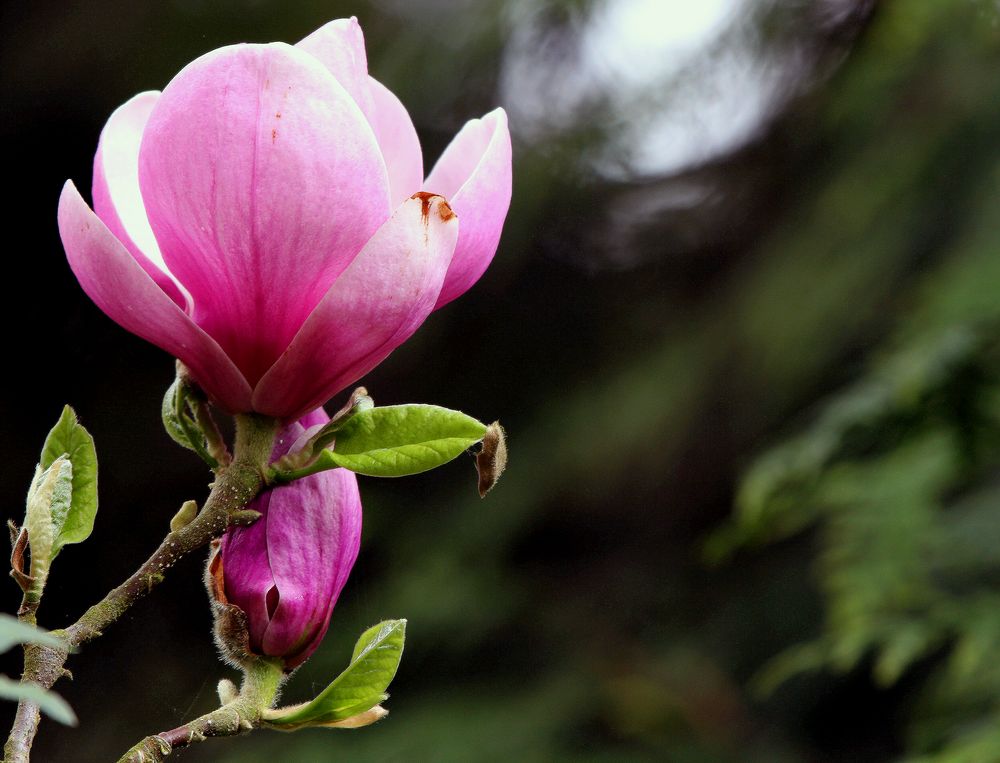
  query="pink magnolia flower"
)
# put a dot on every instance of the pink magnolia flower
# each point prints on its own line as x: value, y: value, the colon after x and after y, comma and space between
x: 286, y: 570
x: 265, y: 220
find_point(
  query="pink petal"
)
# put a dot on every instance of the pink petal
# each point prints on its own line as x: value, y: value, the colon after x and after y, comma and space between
x: 378, y: 302
x: 313, y: 537
x: 247, y: 572
x: 340, y: 46
x: 262, y: 180
x: 474, y: 174
x: 122, y: 289
x: 117, y: 200
x: 398, y: 140
x: 310, y: 420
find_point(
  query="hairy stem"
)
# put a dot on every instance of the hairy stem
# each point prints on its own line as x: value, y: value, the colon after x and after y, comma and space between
x: 261, y: 682
x: 234, y: 487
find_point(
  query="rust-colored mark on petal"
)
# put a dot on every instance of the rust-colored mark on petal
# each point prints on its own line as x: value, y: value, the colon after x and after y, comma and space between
x: 445, y: 211
x: 274, y: 135
x: 425, y: 204
x: 426, y: 199
x: 277, y: 115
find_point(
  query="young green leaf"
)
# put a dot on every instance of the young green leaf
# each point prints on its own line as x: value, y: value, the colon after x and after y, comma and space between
x: 181, y: 425
x: 13, y: 631
x: 294, y: 465
x: 49, y: 702
x: 359, y: 401
x: 358, y: 689
x: 48, y: 505
x: 172, y: 411
x: 69, y: 438
x: 397, y: 440
x: 61, y: 503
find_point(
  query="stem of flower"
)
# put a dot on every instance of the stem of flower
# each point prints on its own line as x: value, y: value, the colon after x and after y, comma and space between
x: 235, y: 486
x: 261, y: 682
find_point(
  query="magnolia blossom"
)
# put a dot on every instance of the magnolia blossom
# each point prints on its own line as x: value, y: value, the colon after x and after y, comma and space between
x: 266, y: 220
x: 286, y: 570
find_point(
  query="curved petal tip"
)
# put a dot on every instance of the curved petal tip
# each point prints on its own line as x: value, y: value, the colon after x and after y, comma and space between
x: 475, y: 173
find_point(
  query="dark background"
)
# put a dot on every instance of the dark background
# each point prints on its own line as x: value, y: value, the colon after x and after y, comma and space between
x: 742, y: 330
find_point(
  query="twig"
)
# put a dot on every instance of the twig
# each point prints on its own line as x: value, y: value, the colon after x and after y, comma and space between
x: 260, y: 689
x: 233, y: 489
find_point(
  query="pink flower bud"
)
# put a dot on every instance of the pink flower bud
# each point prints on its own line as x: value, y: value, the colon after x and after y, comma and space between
x: 286, y: 570
x: 264, y: 220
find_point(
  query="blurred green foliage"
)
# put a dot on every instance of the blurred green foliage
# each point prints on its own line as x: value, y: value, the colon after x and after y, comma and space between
x: 897, y: 472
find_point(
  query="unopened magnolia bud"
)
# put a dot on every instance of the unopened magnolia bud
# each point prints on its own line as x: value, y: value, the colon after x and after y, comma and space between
x: 274, y: 582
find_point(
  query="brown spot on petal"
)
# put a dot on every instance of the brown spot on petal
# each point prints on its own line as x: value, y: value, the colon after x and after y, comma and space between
x: 277, y: 115
x: 444, y: 211
x: 274, y: 135
x: 425, y: 203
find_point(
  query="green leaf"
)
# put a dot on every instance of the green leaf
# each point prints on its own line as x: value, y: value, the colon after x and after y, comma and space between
x: 359, y: 401
x: 72, y: 440
x: 397, y: 440
x: 61, y: 501
x: 13, y: 631
x: 49, y: 501
x: 49, y: 702
x: 357, y: 689
x: 171, y: 411
x: 182, y: 427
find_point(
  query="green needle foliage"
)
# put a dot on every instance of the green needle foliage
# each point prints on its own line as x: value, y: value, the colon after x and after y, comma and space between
x: 898, y: 476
